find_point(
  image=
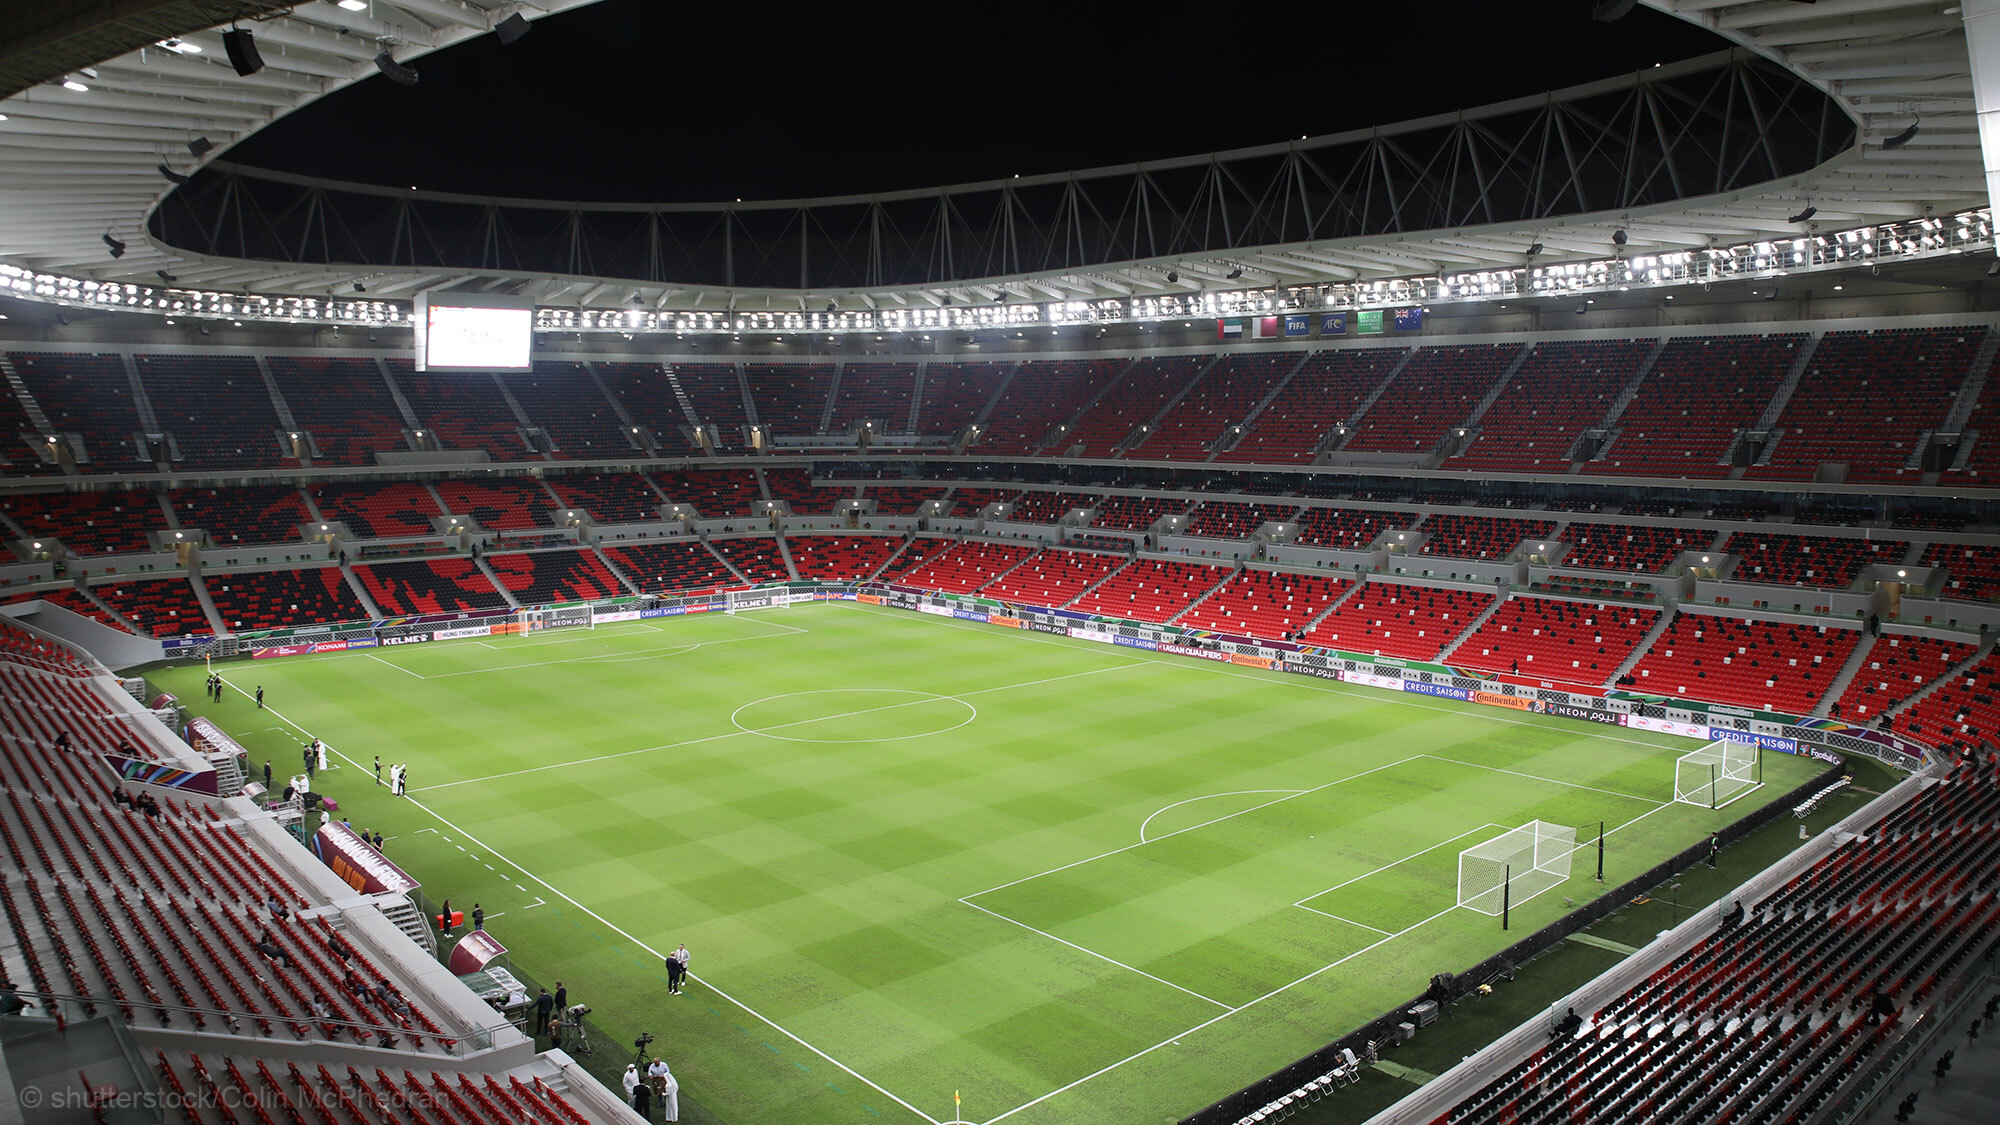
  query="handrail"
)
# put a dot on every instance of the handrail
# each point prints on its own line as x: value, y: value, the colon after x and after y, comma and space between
x: 478, y: 1039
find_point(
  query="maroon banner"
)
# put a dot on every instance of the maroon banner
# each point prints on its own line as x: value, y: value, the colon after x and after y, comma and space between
x: 357, y: 862
x: 472, y: 953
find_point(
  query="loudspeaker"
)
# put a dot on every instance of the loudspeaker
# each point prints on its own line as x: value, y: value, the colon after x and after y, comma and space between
x: 512, y: 28
x: 242, y: 48
x: 394, y: 71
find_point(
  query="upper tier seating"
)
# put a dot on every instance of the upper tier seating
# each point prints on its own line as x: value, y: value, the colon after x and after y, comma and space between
x: 915, y: 555
x: 1326, y: 391
x: 217, y: 408
x: 1044, y: 394
x: 715, y: 494
x: 379, y: 511
x: 716, y: 390
x: 757, y: 558
x: 257, y: 514
x: 959, y: 568
x: 840, y: 558
x: 1962, y: 713
x: 89, y: 523
x: 1269, y: 604
x: 1135, y: 513
x: 1048, y: 507
x: 500, y: 503
x: 683, y: 566
x: 795, y: 487
x: 1407, y: 622
x: 277, y: 599
x: 647, y: 396
x: 902, y: 501
x: 1866, y: 398
x: 1152, y: 590
x: 1893, y: 670
x: 953, y: 394
x: 1224, y: 396
x: 878, y: 392
x: 1560, y: 390
x: 1053, y: 577
x: 1982, y: 428
x: 429, y: 586
x: 88, y: 395
x: 970, y: 502
x: 790, y: 397
x: 1972, y: 572
x: 1756, y: 664
x: 566, y: 403
x: 551, y: 577
x: 1808, y: 560
x: 463, y: 410
x: 74, y: 601
x: 1638, y: 547
x: 1221, y: 519
x: 1352, y: 530
x: 1479, y: 537
x: 1552, y: 639
x: 1146, y: 388
x: 1700, y: 392
x: 343, y: 403
x: 162, y: 607
x: 1438, y: 389
x: 609, y: 497
x: 19, y: 456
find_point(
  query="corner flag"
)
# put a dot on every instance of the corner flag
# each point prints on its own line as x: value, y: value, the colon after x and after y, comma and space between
x: 954, y: 1102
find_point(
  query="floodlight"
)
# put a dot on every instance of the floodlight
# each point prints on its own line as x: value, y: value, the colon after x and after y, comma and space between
x: 117, y: 247
x: 200, y: 146
x: 1802, y: 216
x: 170, y: 174
x: 394, y: 71
x: 1608, y: 11
x: 355, y: 5
x: 1619, y: 237
x: 75, y: 86
x: 512, y: 28
x: 242, y: 49
x: 1904, y: 137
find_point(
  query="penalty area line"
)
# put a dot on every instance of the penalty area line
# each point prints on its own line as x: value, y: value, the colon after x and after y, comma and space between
x: 1096, y: 954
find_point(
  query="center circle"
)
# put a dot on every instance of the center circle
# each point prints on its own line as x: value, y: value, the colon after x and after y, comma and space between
x: 794, y: 715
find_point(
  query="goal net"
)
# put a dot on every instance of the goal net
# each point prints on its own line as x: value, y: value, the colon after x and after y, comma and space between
x: 1514, y: 866
x: 555, y: 617
x: 1717, y: 774
x: 777, y: 597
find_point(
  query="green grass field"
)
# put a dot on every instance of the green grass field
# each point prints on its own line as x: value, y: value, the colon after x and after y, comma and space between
x: 913, y: 856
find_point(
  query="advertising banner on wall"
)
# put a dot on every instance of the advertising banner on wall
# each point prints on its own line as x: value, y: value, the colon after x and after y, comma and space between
x: 357, y: 862
x: 163, y: 775
x: 1667, y: 726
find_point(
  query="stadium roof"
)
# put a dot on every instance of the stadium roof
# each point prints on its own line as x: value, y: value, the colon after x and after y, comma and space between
x: 1612, y: 170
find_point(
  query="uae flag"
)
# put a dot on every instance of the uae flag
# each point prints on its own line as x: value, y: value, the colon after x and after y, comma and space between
x: 1229, y: 330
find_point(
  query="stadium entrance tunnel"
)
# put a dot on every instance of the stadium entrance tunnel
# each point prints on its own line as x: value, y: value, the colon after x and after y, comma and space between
x: 851, y: 715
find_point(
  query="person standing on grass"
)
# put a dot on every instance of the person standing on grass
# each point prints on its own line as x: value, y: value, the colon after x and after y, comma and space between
x: 544, y: 1004
x: 479, y: 923
x: 312, y: 764
x: 402, y: 780
x: 378, y: 840
x: 267, y: 775
x: 260, y: 697
x: 1714, y: 848
x: 677, y: 967
x: 378, y: 769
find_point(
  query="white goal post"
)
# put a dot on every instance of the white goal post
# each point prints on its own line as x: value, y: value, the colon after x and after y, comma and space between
x: 540, y: 618
x: 1514, y: 866
x: 774, y: 597
x: 1718, y: 773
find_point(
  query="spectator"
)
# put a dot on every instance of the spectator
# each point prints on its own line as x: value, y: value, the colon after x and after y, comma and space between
x: 273, y: 953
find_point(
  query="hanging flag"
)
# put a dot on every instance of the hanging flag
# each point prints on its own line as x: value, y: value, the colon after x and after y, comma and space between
x: 1333, y: 324
x: 1409, y: 320
x: 1229, y: 330
x: 1298, y: 324
x: 1267, y: 327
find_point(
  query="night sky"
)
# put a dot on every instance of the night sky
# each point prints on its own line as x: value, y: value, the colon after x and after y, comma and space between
x: 645, y: 100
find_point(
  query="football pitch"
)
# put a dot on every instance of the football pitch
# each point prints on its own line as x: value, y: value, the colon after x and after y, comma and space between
x: 913, y: 857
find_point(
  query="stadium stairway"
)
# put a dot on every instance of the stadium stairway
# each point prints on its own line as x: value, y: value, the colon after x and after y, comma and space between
x: 1348, y: 427
x: 1109, y: 575
x: 1894, y: 715
x: 1313, y: 622
x: 1211, y: 592
x: 784, y: 549
x: 624, y: 579
x: 100, y: 603
x: 1018, y: 564
x: 487, y: 569
x: 741, y: 578
x: 891, y: 560
x: 1471, y: 627
x: 360, y: 589
x: 208, y: 609
x: 1855, y: 662
x: 1056, y: 441
x: 1645, y: 645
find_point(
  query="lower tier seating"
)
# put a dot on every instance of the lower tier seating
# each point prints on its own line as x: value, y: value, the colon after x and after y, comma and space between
x: 379, y: 511
x: 1152, y: 590
x: 962, y: 567
x: 429, y: 586
x: 1962, y: 713
x: 756, y: 557
x: 1896, y: 668
x: 1270, y: 604
x: 162, y: 607
x: 1053, y: 578
x: 1553, y: 639
x: 1757, y: 664
x: 1392, y: 619
x: 840, y: 557
x: 277, y: 599
x: 551, y: 577
x: 684, y: 566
